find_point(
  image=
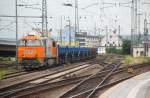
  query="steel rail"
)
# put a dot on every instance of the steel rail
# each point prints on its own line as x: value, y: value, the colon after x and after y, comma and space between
x: 101, y: 87
x: 104, y: 79
x: 51, y: 73
x: 100, y: 73
x: 7, y: 93
x: 30, y: 87
x: 90, y: 93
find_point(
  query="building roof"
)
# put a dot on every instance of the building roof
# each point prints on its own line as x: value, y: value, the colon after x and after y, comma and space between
x: 7, y: 41
x: 92, y: 36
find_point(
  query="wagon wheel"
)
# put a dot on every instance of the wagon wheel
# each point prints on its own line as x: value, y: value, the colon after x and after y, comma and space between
x: 50, y: 62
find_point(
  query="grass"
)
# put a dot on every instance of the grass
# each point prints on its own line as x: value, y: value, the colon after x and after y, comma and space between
x: 131, y: 60
x: 6, y: 70
x: 2, y: 73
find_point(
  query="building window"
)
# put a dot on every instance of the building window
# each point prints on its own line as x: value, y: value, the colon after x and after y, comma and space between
x: 110, y: 36
x: 137, y: 52
x: 142, y: 53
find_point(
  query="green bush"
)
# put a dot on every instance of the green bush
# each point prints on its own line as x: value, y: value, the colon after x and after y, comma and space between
x: 114, y: 50
x: 126, y: 46
x: 2, y: 73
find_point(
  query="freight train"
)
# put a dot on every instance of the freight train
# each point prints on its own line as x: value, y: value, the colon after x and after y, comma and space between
x: 35, y: 51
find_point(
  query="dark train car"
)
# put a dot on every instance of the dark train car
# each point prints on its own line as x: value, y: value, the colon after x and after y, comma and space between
x: 71, y: 54
x: 35, y: 51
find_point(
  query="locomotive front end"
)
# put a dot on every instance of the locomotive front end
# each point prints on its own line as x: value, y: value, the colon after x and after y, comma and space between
x: 31, y: 52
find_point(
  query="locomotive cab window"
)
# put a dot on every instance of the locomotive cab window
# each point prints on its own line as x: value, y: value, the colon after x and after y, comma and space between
x: 54, y: 44
x: 30, y: 43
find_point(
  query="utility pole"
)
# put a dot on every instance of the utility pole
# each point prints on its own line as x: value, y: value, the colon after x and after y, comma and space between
x: 135, y: 25
x: 118, y: 35
x: 16, y: 4
x: 69, y: 32
x: 145, y: 37
x: 44, y: 18
x: 134, y: 29
x: 106, y: 35
x: 44, y: 22
x: 76, y: 20
x: 132, y: 26
x: 77, y: 5
x: 139, y: 27
x: 95, y: 29
x: 99, y: 31
x: 119, y: 31
x: 61, y: 30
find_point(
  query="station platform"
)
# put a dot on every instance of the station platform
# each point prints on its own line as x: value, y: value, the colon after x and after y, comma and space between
x: 136, y: 87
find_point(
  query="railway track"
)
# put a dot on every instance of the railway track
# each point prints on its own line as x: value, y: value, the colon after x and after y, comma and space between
x: 40, y: 87
x: 31, y: 84
x: 23, y: 72
x: 45, y: 79
x: 36, y: 75
x: 45, y: 86
x: 3, y: 65
x: 93, y: 80
x: 15, y: 74
x: 113, y: 77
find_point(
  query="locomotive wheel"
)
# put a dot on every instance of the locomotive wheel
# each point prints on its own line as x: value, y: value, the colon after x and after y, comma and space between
x: 50, y: 62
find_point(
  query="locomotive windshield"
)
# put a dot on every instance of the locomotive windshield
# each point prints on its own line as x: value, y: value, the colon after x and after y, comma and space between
x: 31, y: 43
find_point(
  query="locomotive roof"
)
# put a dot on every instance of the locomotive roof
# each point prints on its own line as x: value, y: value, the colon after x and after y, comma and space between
x: 32, y: 37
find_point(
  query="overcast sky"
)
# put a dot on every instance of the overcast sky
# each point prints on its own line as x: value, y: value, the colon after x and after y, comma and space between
x: 91, y: 17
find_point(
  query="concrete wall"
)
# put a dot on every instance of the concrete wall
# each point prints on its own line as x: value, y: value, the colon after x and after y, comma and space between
x: 7, y: 47
x: 101, y: 50
x: 7, y: 50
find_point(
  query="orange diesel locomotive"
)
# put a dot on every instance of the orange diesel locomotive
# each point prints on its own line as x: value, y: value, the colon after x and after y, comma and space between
x: 35, y: 51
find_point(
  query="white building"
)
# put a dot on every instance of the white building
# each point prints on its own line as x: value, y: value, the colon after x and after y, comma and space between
x: 86, y: 40
x: 110, y: 40
x: 141, y: 50
x: 93, y: 41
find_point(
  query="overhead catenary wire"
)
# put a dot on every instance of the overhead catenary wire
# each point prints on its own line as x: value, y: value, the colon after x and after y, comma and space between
x: 6, y: 26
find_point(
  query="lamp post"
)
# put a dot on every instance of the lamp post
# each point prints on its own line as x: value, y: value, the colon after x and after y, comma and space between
x: 76, y: 16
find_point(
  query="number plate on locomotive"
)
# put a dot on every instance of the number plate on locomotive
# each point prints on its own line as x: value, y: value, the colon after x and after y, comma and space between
x: 28, y: 51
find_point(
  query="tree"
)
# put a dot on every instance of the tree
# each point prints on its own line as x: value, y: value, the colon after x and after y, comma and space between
x: 113, y: 50
x: 126, y: 47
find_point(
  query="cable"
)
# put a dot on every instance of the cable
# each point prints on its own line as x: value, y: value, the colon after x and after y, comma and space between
x: 28, y: 23
x: 6, y: 26
x: 90, y: 5
x: 27, y: 5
